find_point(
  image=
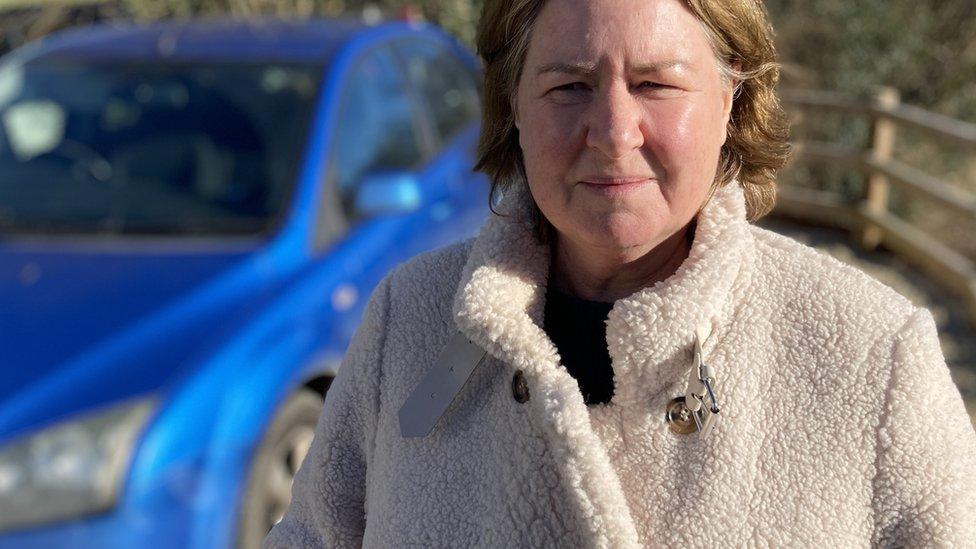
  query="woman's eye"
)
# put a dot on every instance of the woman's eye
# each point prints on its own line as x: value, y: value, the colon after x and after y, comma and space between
x: 658, y: 90
x: 572, y: 86
x: 651, y: 85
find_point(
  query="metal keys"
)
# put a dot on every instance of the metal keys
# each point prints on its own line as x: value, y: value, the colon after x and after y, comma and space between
x: 698, y: 410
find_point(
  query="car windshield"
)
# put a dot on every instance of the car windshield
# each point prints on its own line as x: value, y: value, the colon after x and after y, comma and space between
x: 147, y: 148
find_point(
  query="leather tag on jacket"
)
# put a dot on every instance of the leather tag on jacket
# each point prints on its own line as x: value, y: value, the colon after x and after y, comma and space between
x: 428, y: 402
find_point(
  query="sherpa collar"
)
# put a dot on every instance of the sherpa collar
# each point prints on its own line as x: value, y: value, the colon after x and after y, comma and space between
x: 500, y: 302
x: 500, y: 299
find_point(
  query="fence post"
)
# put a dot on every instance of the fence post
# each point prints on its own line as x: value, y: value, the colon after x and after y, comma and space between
x: 875, y: 200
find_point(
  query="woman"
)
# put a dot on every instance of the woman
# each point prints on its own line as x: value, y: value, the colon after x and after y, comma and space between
x: 743, y: 389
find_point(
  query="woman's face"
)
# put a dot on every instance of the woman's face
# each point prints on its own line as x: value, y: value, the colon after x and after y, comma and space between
x: 621, y: 112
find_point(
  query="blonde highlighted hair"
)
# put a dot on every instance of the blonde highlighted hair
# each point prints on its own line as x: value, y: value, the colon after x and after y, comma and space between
x: 741, y: 38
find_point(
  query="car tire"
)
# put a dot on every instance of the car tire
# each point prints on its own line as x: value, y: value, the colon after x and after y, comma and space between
x: 275, y: 463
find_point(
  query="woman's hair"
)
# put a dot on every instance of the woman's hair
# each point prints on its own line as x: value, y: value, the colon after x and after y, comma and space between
x: 741, y: 37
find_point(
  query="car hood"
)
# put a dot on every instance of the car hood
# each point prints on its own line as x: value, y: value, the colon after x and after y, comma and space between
x: 115, y: 318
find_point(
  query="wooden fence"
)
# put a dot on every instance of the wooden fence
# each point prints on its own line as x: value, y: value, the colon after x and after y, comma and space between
x: 869, y: 218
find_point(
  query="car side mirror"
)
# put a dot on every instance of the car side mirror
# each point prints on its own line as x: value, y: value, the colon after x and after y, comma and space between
x: 385, y: 193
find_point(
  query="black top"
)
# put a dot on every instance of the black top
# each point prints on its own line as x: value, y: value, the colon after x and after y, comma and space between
x: 578, y: 328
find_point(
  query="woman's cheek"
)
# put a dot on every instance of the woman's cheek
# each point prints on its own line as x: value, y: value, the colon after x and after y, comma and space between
x: 542, y: 161
x: 685, y: 135
x: 560, y: 126
x: 540, y: 125
x: 676, y: 121
x: 665, y: 140
x: 549, y: 147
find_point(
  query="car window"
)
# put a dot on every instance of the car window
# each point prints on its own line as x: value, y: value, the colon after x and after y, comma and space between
x: 377, y: 122
x: 447, y: 85
x: 136, y: 148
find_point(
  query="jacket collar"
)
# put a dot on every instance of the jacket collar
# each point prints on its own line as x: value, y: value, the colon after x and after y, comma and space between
x: 499, y: 305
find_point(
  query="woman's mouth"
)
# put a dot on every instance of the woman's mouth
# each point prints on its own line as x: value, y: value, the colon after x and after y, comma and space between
x: 615, y: 186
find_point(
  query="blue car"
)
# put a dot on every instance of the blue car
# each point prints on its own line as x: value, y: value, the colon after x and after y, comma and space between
x: 192, y: 216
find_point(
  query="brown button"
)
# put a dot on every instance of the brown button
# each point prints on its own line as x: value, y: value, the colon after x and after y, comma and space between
x: 679, y: 417
x: 520, y: 389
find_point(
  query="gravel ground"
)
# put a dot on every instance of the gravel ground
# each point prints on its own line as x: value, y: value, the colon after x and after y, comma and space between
x: 957, y: 335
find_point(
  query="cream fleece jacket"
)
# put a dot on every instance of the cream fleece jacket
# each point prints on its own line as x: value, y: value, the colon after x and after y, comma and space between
x: 840, y: 425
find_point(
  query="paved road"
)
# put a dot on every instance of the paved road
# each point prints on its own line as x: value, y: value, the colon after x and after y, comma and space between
x: 957, y: 335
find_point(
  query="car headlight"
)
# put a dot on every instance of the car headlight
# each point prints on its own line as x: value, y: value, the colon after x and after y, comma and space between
x: 70, y: 469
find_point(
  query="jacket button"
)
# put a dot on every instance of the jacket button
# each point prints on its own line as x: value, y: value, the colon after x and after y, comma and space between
x: 679, y: 417
x: 520, y: 389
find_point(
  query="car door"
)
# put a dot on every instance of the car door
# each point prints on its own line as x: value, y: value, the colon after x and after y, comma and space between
x: 448, y: 89
x: 378, y: 132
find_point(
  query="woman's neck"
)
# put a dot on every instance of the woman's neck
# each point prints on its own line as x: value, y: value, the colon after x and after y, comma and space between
x: 609, y: 275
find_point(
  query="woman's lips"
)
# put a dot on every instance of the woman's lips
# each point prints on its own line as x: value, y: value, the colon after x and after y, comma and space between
x: 615, y: 186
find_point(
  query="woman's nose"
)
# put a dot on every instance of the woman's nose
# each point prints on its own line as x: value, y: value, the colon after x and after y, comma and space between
x: 614, y: 123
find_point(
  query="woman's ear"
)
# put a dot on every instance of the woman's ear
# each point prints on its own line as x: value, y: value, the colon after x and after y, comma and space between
x: 513, y: 101
x: 728, y: 99
x: 729, y: 94
x: 732, y: 91
x: 515, y: 113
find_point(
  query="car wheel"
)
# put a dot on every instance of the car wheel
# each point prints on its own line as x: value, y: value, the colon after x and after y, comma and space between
x: 275, y: 463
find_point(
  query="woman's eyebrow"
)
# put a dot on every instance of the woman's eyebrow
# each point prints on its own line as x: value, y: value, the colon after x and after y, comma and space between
x: 587, y: 69
x: 580, y: 69
x: 661, y: 66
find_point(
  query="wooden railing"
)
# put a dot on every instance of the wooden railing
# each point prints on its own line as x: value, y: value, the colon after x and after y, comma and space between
x: 870, y: 218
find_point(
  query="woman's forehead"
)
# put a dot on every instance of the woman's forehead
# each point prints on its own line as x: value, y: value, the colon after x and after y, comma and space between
x: 641, y: 34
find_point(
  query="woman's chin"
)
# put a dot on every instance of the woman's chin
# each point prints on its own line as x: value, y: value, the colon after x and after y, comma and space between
x: 621, y: 238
